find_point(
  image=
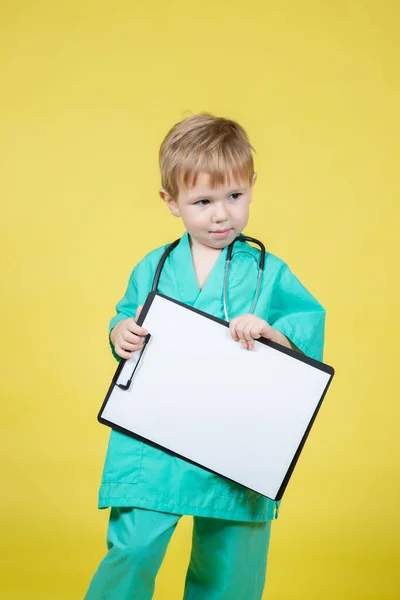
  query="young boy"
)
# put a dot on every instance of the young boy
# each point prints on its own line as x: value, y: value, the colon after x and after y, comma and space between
x: 207, y: 178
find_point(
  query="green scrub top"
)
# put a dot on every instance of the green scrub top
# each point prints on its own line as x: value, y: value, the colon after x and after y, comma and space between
x: 138, y: 474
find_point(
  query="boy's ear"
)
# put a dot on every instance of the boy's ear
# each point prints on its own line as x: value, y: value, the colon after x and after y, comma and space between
x: 252, y: 186
x: 170, y: 202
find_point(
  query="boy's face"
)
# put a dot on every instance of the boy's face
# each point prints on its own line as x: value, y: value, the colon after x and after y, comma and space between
x: 212, y: 216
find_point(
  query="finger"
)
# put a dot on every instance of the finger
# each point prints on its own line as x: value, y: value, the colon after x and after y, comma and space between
x: 255, y: 333
x: 267, y: 333
x: 131, y: 347
x: 232, y: 329
x: 247, y: 331
x: 128, y: 336
x: 252, y: 332
x: 133, y: 327
x: 240, y: 327
x: 138, y: 311
x: 122, y: 353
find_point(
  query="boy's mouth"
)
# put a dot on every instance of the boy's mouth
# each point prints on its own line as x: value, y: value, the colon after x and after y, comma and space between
x: 220, y: 233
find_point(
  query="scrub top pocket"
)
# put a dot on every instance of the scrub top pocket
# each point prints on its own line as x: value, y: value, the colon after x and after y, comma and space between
x: 124, y: 459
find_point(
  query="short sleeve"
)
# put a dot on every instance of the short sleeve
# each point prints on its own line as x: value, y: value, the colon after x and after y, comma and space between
x: 126, y: 308
x: 297, y: 314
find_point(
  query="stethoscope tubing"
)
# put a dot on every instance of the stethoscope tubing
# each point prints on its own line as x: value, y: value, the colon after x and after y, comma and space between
x: 239, y: 238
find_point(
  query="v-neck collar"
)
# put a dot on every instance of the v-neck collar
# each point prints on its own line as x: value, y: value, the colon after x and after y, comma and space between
x: 185, y: 276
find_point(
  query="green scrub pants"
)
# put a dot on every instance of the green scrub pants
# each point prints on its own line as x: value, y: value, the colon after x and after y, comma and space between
x: 228, y: 558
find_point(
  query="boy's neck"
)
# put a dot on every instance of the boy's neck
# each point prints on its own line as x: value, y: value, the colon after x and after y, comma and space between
x: 202, y: 249
x: 203, y: 259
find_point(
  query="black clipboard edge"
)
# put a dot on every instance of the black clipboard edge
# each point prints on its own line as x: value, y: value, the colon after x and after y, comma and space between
x: 300, y: 447
x: 293, y: 353
x: 173, y: 453
x: 122, y: 362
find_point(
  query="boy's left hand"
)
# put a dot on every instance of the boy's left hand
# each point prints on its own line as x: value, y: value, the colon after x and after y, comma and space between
x: 248, y: 328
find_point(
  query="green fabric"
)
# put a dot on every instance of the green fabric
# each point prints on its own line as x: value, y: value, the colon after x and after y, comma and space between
x: 137, y: 474
x: 228, y: 558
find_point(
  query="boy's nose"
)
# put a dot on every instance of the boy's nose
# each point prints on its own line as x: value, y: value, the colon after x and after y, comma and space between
x: 219, y: 214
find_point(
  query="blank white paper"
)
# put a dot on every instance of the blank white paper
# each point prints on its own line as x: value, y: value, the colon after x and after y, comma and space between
x: 197, y: 393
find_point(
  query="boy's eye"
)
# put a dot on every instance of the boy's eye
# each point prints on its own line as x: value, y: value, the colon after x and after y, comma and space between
x: 204, y: 202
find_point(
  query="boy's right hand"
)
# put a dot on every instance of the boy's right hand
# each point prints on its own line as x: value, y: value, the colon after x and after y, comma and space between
x: 127, y: 336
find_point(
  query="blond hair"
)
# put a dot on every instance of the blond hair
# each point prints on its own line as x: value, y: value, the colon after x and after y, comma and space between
x: 204, y: 143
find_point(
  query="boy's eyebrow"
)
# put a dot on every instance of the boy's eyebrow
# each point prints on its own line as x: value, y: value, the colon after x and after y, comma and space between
x: 231, y: 191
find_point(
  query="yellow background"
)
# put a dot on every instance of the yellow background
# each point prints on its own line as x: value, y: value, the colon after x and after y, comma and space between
x: 88, y: 90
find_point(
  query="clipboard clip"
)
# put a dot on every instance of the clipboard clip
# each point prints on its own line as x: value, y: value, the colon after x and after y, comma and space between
x: 127, y: 385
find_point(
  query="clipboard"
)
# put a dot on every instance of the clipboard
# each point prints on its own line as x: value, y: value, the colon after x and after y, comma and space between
x: 195, y: 393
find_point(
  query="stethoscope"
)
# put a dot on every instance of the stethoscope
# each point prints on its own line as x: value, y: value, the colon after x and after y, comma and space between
x: 239, y: 238
x: 168, y: 250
